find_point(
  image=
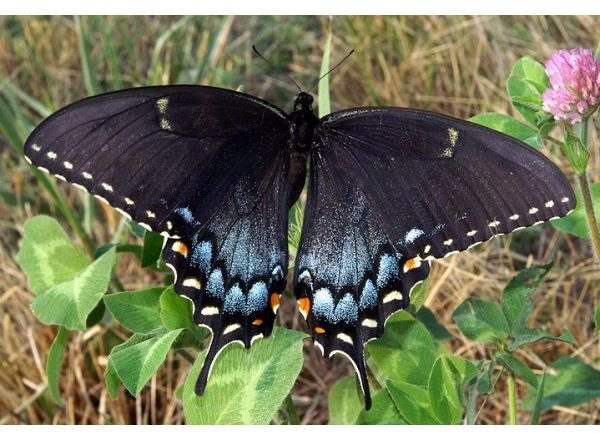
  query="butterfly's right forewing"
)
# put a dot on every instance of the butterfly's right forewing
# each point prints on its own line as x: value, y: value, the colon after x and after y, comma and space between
x: 208, y: 169
x: 159, y: 154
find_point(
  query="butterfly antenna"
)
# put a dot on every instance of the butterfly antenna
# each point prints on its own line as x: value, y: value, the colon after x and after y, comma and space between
x: 331, y: 70
x: 276, y: 68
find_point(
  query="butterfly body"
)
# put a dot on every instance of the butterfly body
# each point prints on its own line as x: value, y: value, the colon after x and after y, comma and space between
x: 215, y: 172
x: 302, y: 122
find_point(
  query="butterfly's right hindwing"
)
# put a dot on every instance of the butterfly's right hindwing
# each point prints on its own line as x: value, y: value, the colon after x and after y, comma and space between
x: 234, y: 269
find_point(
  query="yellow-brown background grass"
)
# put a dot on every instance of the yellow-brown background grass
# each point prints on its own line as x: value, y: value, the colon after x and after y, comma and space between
x: 455, y: 65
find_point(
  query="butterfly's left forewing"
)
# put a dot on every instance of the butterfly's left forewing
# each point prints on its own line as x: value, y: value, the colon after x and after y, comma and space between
x: 391, y: 189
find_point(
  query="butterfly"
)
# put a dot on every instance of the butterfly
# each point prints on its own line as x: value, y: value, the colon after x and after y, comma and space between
x: 215, y: 172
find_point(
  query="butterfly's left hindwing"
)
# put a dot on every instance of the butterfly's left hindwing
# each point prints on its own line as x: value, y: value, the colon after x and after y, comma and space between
x: 349, y: 275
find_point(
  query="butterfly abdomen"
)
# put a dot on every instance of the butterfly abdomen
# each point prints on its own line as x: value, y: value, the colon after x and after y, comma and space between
x: 297, y: 176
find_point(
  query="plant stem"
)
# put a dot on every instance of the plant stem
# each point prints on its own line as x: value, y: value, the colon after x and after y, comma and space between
x: 512, y: 398
x: 589, y: 213
x: 586, y: 194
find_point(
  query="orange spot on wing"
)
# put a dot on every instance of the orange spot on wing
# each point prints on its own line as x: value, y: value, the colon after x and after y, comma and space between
x: 319, y: 330
x: 258, y: 322
x: 411, y: 264
x: 304, y: 306
x: 275, y: 298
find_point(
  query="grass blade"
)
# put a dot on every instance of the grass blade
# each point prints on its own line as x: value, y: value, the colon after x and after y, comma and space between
x: 539, y: 400
x: 89, y: 77
x: 324, y: 97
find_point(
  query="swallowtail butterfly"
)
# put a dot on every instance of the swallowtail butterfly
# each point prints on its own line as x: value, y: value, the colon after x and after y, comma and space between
x: 215, y: 171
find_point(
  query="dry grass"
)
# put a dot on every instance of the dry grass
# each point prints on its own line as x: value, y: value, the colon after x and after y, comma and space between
x: 456, y: 65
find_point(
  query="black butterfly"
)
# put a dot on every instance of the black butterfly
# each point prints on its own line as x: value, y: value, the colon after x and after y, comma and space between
x: 215, y: 172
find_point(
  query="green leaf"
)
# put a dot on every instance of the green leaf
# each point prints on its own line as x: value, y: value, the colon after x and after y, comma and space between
x: 569, y: 382
x: 296, y: 219
x: 152, y: 248
x: 137, y: 230
x: 138, y: 311
x: 517, y: 296
x: 539, y: 400
x: 435, y: 328
x: 412, y: 402
x: 511, y: 126
x: 465, y: 369
x: 137, y: 363
x: 96, y: 315
x: 518, y: 368
x: 345, y: 403
x: 576, y: 152
x: 246, y: 386
x: 111, y: 378
x: 576, y: 223
x: 55, y: 361
x: 69, y: 303
x: 528, y: 336
x: 190, y: 338
x: 383, y: 411
x: 175, y: 311
x: 444, y: 391
x: 526, y: 84
x: 481, y: 321
x: 417, y: 296
x: 597, y: 320
x: 346, y: 406
x: 405, y: 352
x: 47, y: 255
x: 484, y: 377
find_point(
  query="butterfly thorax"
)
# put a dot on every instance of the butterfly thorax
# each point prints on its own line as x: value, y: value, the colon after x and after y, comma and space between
x: 302, y: 122
x: 302, y: 127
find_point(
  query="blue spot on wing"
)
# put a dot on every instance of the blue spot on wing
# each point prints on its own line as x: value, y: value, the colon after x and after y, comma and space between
x: 388, y: 269
x: 234, y: 300
x: 185, y: 213
x: 368, y: 297
x: 323, y: 304
x: 257, y: 297
x: 216, y: 284
x: 202, y: 256
x: 346, y: 310
x: 324, y: 307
